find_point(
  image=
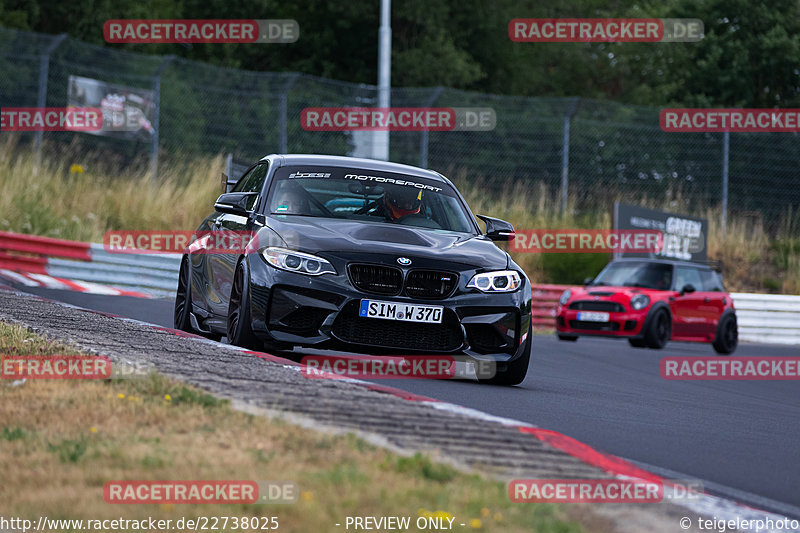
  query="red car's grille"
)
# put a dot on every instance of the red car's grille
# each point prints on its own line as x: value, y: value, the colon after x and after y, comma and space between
x: 594, y: 326
x: 597, y: 305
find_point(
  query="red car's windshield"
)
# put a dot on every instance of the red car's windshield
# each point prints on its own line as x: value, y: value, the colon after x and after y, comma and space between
x: 656, y: 276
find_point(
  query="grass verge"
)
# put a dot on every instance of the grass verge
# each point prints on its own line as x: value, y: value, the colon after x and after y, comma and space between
x: 61, y: 441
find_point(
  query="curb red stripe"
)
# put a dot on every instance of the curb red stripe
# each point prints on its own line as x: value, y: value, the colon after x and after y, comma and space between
x: 610, y: 463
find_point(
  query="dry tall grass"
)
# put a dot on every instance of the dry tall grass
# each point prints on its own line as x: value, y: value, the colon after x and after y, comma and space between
x: 84, y: 205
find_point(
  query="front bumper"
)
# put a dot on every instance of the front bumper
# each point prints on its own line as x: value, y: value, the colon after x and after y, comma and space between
x: 322, y: 312
x: 628, y: 324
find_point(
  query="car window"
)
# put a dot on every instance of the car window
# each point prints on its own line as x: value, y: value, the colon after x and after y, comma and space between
x: 688, y: 276
x: 711, y: 281
x: 253, y: 181
x: 645, y: 274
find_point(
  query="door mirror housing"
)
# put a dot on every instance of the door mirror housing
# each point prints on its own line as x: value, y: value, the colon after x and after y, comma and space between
x: 687, y: 289
x: 234, y: 203
x: 498, y: 230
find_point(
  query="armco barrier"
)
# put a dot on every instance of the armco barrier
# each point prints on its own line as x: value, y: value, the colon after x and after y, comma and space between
x: 155, y: 274
x: 772, y: 318
x: 768, y: 318
x: 29, y: 253
x: 543, y: 306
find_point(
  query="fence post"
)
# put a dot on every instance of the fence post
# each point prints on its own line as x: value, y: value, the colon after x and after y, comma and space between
x: 565, y: 155
x: 726, y: 144
x: 423, y: 141
x: 41, y: 100
x: 156, y: 111
x: 283, y: 119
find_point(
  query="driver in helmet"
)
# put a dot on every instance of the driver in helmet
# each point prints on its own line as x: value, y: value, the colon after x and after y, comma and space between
x: 400, y: 201
x: 290, y: 201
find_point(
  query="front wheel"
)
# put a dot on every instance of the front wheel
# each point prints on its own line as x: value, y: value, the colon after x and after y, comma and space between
x: 514, y: 373
x: 659, y: 330
x: 637, y: 343
x: 183, y: 299
x: 240, y: 330
x: 727, y: 337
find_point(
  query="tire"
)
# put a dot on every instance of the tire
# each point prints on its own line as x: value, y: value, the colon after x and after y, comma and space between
x: 183, y: 299
x: 570, y: 338
x: 515, y: 371
x: 240, y: 331
x: 727, y: 336
x: 637, y: 343
x: 659, y: 330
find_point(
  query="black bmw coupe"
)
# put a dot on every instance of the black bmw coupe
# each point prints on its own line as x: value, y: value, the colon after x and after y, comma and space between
x: 362, y: 256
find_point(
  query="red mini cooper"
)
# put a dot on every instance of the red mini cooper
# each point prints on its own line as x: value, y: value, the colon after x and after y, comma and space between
x: 650, y: 302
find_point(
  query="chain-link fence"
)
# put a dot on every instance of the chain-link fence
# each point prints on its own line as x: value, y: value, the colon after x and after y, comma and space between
x: 602, y: 151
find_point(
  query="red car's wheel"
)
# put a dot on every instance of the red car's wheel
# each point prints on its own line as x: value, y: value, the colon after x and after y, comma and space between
x: 659, y: 330
x: 727, y: 337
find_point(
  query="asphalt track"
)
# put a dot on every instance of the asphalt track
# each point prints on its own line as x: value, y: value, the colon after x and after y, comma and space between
x: 740, y: 435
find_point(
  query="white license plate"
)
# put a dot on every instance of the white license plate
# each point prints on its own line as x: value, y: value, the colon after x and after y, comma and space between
x: 591, y: 316
x: 431, y: 314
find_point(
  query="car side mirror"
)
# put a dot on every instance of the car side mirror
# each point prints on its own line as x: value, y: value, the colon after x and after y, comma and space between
x: 498, y: 230
x: 687, y: 289
x: 588, y: 281
x: 233, y: 203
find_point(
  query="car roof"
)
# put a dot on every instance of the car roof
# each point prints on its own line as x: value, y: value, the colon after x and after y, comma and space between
x: 354, y: 162
x: 661, y: 261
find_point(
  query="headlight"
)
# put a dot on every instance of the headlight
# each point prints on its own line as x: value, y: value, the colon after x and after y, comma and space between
x: 297, y: 261
x: 640, y: 301
x: 565, y: 296
x: 500, y: 281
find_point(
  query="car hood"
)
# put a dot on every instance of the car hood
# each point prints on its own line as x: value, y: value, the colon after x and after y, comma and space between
x: 611, y: 293
x: 311, y: 234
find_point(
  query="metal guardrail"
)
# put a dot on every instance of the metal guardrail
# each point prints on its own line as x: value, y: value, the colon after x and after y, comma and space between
x: 544, y: 304
x: 770, y: 318
x: 30, y: 252
x: 155, y: 274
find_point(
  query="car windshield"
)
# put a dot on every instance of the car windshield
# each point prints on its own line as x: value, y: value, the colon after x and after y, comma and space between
x: 369, y: 196
x: 656, y: 276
